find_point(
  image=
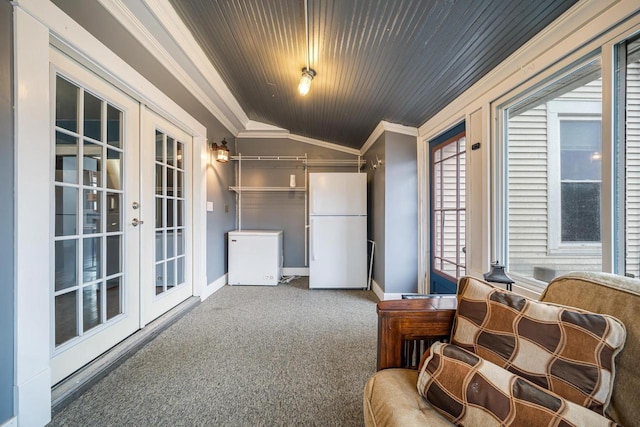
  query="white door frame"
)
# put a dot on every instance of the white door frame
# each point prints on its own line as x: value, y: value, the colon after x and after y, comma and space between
x: 37, y: 24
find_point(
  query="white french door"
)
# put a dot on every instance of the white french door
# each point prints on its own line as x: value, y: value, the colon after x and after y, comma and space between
x: 120, y: 215
x: 166, y: 232
x: 95, y: 295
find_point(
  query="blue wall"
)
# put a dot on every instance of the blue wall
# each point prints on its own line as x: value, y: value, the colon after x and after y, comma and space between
x: 7, y: 283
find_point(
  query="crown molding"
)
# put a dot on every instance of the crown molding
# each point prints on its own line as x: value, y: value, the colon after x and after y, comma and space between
x: 384, y: 126
x: 276, y: 133
x: 158, y: 28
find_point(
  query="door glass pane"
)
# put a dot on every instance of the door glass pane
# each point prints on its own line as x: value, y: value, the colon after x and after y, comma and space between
x: 92, y: 259
x: 114, y: 126
x: 170, y: 175
x: 170, y: 244
x: 66, y: 158
x: 114, y: 212
x: 179, y: 209
x: 170, y: 151
x: 114, y: 255
x: 159, y: 147
x: 92, y: 165
x: 171, y: 274
x: 92, y: 211
x: 91, y: 306
x: 66, y: 207
x: 66, y: 317
x: 159, y: 180
x: 159, y: 245
x: 66, y: 104
x: 170, y: 213
x: 179, y: 185
x: 159, y: 278
x: 180, y: 149
x: 114, y: 169
x: 180, y: 244
x: 114, y: 297
x: 66, y: 255
x: 159, y: 213
x: 180, y: 270
x: 92, y: 117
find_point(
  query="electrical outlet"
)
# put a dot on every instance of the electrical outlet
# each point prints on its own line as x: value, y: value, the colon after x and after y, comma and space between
x: 226, y: 208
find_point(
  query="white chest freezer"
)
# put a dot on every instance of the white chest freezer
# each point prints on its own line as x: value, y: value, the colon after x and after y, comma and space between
x: 255, y: 257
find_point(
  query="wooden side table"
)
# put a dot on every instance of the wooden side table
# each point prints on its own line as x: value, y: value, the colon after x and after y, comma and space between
x: 402, y: 321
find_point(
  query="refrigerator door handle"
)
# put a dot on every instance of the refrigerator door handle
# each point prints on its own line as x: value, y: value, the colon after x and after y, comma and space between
x: 313, y: 240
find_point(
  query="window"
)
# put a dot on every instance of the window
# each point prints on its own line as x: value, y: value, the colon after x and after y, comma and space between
x: 627, y: 180
x: 553, y: 176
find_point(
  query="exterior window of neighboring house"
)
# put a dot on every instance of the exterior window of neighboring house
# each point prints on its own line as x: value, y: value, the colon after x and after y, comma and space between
x: 574, y: 136
x: 553, y: 177
x: 580, y: 160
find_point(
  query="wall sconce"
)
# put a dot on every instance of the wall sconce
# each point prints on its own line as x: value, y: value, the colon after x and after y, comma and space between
x: 221, y: 151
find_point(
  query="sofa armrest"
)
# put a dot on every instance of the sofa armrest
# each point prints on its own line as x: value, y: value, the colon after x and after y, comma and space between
x: 409, y: 320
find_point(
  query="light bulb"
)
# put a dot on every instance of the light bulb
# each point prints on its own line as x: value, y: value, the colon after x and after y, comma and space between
x: 305, y: 81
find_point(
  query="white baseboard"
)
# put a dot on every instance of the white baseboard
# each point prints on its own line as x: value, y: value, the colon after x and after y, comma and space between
x: 382, y: 296
x: 12, y: 422
x: 377, y: 290
x: 295, y: 271
x: 213, y: 287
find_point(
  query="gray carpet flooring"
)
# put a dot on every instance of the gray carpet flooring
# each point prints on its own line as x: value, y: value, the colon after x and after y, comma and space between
x: 247, y: 356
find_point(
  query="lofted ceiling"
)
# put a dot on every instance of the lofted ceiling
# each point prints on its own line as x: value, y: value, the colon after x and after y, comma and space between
x: 400, y: 61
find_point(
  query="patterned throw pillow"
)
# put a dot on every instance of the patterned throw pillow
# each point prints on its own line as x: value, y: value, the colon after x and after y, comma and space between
x: 470, y: 391
x: 563, y: 349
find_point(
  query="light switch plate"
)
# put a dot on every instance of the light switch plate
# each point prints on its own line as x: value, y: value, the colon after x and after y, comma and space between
x: 209, y: 206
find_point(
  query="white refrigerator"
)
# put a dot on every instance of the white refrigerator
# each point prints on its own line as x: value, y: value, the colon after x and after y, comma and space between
x: 337, y: 230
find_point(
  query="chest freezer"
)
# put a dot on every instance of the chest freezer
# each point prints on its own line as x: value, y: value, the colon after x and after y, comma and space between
x: 255, y: 257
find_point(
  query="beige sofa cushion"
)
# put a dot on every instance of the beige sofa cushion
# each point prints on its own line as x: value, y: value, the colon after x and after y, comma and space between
x: 620, y: 297
x: 562, y: 349
x: 391, y: 399
x: 471, y: 391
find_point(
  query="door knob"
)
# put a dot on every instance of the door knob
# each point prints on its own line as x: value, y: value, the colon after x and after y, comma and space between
x: 135, y: 222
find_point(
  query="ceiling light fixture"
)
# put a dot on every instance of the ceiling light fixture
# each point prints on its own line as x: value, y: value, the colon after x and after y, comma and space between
x: 307, y: 73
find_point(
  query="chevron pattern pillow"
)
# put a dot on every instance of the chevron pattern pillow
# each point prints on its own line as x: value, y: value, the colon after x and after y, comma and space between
x: 562, y: 349
x: 470, y: 391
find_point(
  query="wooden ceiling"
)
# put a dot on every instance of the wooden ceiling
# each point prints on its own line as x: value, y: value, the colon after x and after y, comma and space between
x: 401, y: 61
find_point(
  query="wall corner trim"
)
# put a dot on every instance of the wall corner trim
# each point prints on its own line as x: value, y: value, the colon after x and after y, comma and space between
x: 375, y: 287
x: 11, y: 422
x: 213, y: 287
x: 384, y: 126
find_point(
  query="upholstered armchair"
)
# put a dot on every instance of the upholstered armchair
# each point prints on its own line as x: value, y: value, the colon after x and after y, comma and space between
x: 406, y: 328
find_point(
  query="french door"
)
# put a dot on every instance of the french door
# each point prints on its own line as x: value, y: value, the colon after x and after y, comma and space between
x: 447, y: 164
x: 166, y: 258
x: 95, y: 289
x: 120, y: 216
